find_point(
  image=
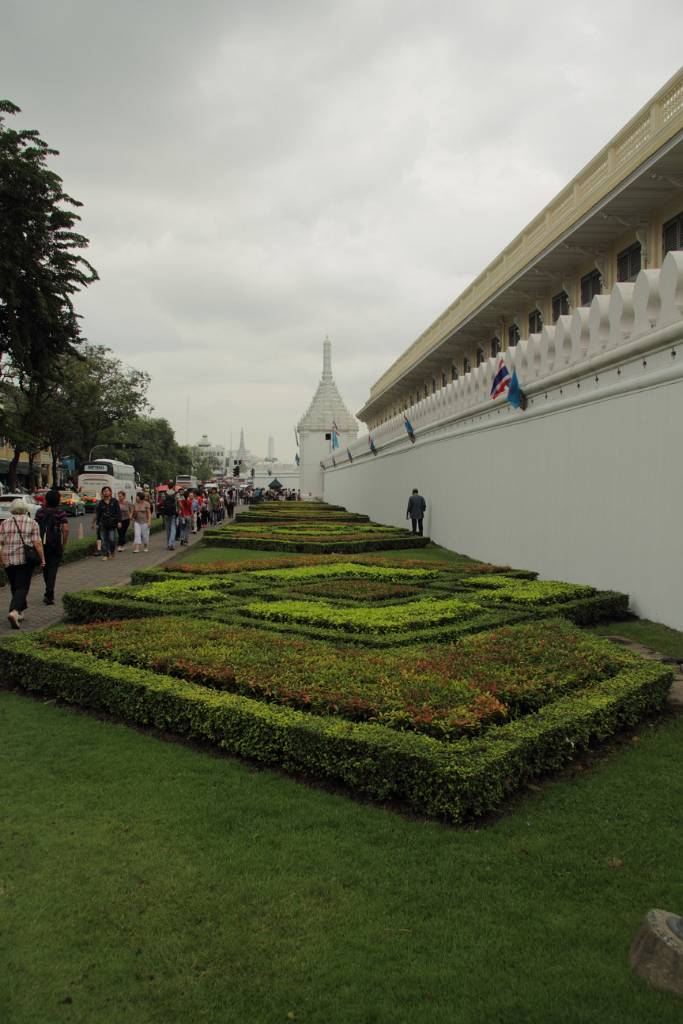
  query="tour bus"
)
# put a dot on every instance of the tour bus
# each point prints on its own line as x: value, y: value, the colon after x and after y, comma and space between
x: 186, y: 482
x: 106, y: 473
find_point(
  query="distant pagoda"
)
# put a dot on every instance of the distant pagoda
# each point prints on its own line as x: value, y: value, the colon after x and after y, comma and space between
x: 326, y: 411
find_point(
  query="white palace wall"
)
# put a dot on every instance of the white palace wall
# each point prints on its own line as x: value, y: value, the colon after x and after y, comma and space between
x: 587, y: 484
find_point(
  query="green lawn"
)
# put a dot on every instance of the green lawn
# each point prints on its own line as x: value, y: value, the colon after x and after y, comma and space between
x: 652, y: 634
x: 206, y: 555
x: 144, y: 881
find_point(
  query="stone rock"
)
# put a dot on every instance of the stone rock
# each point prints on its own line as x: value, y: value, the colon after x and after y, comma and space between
x: 656, y: 953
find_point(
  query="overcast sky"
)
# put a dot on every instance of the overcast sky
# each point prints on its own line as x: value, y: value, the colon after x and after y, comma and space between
x: 257, y: 175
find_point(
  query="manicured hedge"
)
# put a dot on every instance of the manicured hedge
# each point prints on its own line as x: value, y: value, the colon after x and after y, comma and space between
x: 456, y: 781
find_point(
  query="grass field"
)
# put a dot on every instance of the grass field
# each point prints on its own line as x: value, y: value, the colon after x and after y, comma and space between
x: 145, y: 881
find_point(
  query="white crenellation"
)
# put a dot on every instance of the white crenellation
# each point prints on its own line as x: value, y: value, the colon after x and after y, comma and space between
x: 613, y: 321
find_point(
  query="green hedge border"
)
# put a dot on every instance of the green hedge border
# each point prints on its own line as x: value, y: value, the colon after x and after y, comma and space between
x: 455, y: 781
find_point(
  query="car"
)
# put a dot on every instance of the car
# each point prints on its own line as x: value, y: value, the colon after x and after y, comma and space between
x: 39, y: 496
x: 72, y: 503
x: 7, y: 499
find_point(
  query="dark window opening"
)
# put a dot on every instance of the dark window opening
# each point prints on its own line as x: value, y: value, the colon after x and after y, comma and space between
x: 433, y: 385
x: 672, y: 235
x: 629, y: 262
x: 466, y: 365
x: 560, y: 306
x: 426, y: 391
x: 535, y: 322
x: 454, y: 372
x: 513, y: 335
x: 444, y: 379
x: 591, y: 285
x: 495, y: 346
x: 480, y: 356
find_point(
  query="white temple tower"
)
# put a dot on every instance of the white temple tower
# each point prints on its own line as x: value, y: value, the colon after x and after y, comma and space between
x: 315, y: 428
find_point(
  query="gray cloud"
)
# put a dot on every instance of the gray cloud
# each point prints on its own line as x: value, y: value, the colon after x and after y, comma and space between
x: 255, y: 176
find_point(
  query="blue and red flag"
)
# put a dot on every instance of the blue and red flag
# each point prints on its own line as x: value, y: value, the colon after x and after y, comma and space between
x: 409, y: 428
x: 501, y: 381
x: 372, y: 445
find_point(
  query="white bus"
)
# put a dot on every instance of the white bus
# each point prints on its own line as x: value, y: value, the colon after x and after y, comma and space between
x: 106, y: 473
x: 186, y: 482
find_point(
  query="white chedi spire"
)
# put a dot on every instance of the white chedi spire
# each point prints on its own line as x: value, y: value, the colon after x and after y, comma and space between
x: 328, y: 406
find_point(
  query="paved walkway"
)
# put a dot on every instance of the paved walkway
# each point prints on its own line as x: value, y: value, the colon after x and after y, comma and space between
x: 87, y: 574
x: 676, y: 691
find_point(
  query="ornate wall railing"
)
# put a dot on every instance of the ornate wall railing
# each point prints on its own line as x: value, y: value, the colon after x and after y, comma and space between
x: 645, y: 133
x: 625, y: 338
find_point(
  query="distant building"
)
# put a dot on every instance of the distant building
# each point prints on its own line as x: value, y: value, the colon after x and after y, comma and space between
x: 326, y: 413
x: 214, y: 453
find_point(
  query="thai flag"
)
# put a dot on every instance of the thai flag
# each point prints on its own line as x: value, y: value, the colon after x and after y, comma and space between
x: 409, y: 428
x: 372, y: 445
x: 501, y: 381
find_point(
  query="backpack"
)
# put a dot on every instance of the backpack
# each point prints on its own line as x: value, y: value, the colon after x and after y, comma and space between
x: 169, y: 506
x: 52, y: 533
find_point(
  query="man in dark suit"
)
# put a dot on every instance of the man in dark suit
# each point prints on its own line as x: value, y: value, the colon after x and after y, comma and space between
x: 416, y: 510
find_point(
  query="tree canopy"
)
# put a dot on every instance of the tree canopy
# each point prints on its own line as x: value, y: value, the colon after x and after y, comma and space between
x: 41, y: 266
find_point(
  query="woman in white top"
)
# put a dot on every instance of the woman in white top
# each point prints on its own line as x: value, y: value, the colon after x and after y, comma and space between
x: 17, y: 533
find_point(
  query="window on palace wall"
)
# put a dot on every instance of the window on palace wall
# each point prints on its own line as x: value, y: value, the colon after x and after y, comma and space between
x: 513, y: 335
x: 591, y: 284
x: 433, y: 385
x: 480, y: 356
x: 466, y: 365
x: 535, y: 322
x: 672, y: 235
x: 454, y: 372
x: 426, y: 391
x: 444, y: 380
x: 628, y: 263
x: 560, y: 306
x: 495, y: 346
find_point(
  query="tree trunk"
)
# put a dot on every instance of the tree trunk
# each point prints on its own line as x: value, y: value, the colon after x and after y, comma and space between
x: 55, y: 465
x: 32, y: 470
x: 13, y: 469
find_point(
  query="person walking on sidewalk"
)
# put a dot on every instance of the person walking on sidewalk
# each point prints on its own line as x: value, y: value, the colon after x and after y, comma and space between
x: 122, y: 528
x: 17, y: 534
x: 169, y: 511
x: 54, y: 532
x: 416, y: 510
x: 185, y: 517
x: 142, y: 518
x: 107, y: 519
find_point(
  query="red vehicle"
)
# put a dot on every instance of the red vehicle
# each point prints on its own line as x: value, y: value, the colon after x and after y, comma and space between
x: 39, y: 496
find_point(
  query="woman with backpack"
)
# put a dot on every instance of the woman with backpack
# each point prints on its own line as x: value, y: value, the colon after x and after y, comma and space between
x: 18, y: 536
x: 54, y: 531
x: 107, y: 519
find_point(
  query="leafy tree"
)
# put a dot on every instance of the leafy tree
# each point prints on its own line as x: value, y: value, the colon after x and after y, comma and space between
x: 94, y: 402
x: 40, y: 264
x: 159, y: 457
